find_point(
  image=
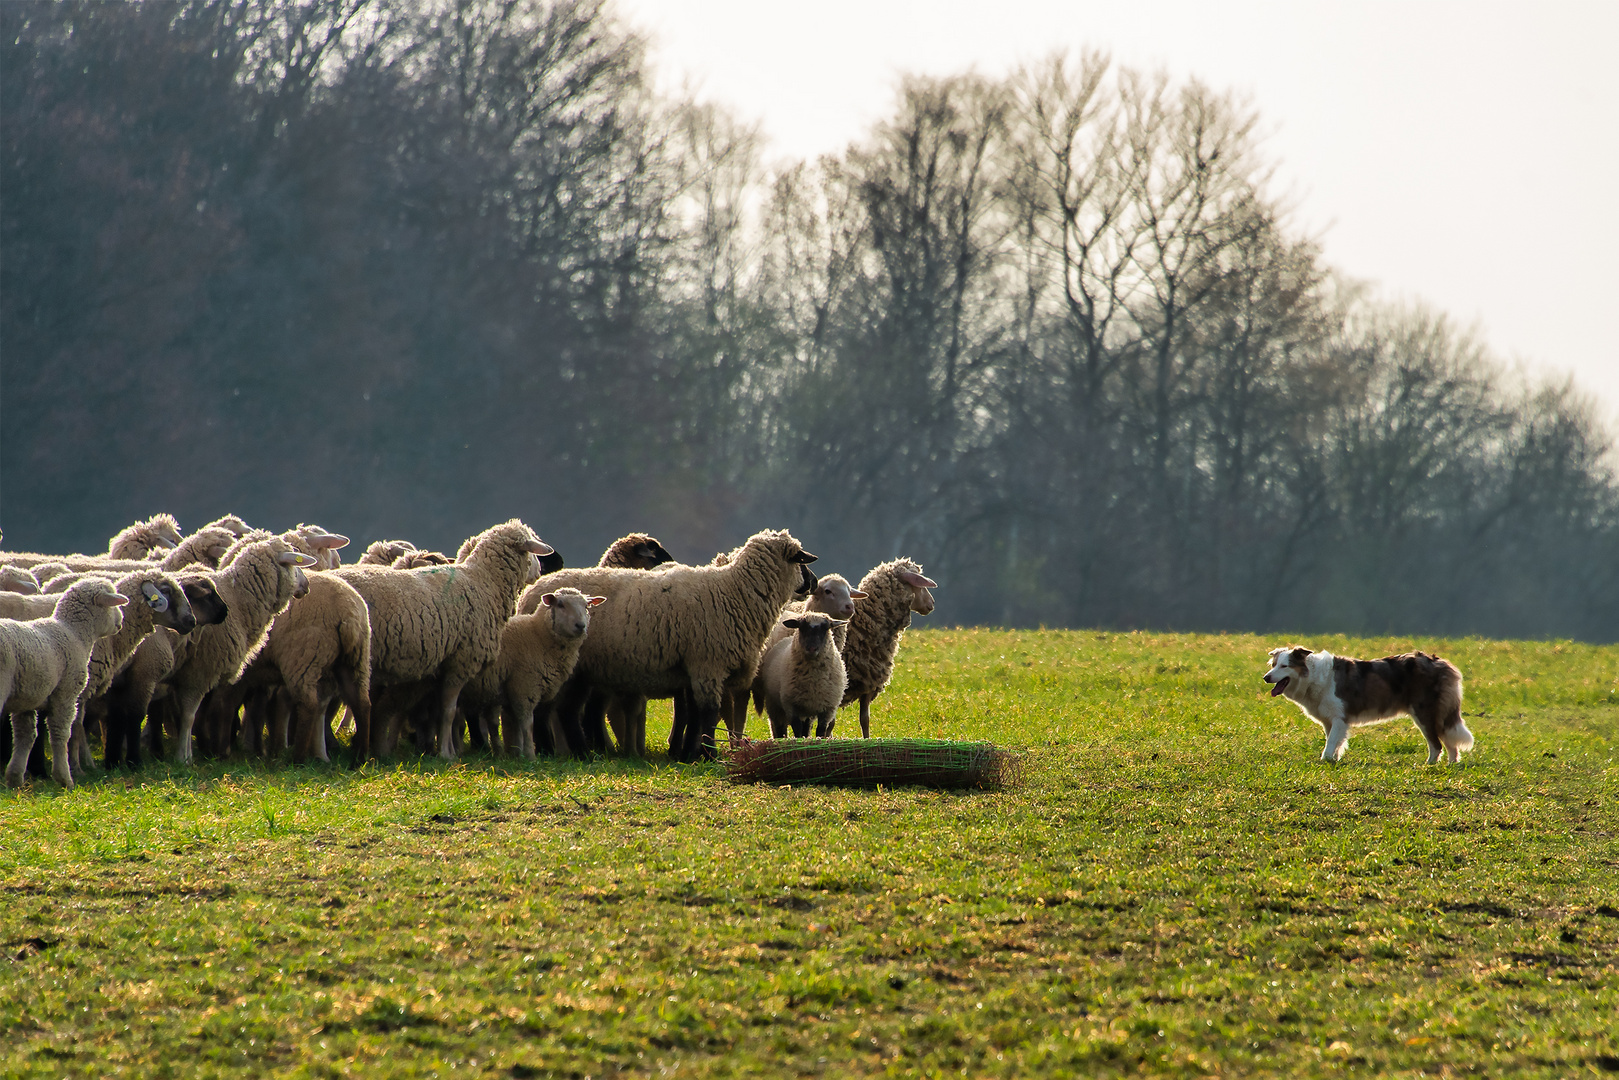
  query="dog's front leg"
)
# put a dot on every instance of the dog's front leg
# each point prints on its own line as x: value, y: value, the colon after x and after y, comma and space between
x: 1337, y: 739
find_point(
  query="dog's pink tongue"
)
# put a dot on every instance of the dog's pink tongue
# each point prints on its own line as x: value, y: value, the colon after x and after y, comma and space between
x: 1277, y: 689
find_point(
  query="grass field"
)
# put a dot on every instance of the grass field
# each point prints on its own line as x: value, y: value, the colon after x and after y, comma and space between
x: 1179, y: 888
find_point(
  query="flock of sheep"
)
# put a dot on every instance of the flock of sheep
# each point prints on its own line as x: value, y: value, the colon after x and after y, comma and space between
x: 220, y: 642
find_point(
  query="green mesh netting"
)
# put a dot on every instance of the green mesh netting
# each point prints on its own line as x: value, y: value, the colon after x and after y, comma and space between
x: 937, y: 763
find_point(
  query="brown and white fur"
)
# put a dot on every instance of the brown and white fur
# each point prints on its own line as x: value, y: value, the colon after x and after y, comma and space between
x: 1341, y: 694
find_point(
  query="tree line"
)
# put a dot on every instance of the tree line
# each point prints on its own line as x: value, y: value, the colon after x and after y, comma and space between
x: 408, y: 267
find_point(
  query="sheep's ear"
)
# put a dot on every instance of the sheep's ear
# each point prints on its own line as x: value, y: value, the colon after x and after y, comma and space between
x: 915, y: 580
x: 856, y: 594
x: 328, y: 541
x: 537, y: 547
x: 154, y: 597
x: 803, y: 557
x: 295, y: 558
x: 596, y: 601
x: 792, y: 624
x: 111, y: 599
x: 548, y: 599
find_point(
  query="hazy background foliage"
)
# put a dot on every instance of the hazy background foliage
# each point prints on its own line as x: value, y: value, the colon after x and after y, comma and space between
x: 409, y: 267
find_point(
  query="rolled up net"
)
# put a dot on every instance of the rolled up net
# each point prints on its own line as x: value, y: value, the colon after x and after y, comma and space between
x: 935, y: 763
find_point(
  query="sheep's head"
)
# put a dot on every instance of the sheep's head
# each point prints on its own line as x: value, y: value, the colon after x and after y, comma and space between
x: 637, y: 551
x: 812, y: 630
x: 207, y: 606
x: 164, y: 597
x: 207, y: 546
x: 231, y: 524
x: 264, y: 553
x: 323, y: 545
x: 157, y: 533
x: 511, y: 541
x: 16, y: 579
x: 384, y: 552
x: 921, y: 599
x: 833, y: 596
x: 411, y: 560
x: 94, y: 600
x: 570, y: 611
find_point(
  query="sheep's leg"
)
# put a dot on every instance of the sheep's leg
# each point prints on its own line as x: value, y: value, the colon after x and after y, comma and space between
x: 309, y: 728
x: 677, y: 733
x: 79, y: 743
x: 618, y: 717
x: 22, y: 741
x: 570, y: 703
x: 704, y: 717
x: 187, y: 703
x: 448, y: 696
x: 865, y: 715
x: 517, y: 725
x: 36, y: 756
x: 824, y: 724
x: 359, y: 706
x: 61, y: 728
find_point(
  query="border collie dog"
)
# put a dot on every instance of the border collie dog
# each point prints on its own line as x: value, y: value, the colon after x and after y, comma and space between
x: 1340, y: 694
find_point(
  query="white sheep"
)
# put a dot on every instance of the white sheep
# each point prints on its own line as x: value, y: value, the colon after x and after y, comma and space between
x: 694, y: 629
x: 138, y: 541
x: 442, y: 622
x: 801, y: 677
x: 44, y: 664
x: 831, y: 595
x: 257, y: 579
x: 18, y: 579
x: 895, y: 591
x: 384, y: 552
x: 537, y: 654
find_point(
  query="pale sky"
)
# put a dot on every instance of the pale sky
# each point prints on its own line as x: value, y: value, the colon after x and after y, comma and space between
x: 1461, y: 153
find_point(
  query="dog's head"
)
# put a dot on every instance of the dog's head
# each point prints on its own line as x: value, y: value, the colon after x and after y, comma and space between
x: 1286, y: 667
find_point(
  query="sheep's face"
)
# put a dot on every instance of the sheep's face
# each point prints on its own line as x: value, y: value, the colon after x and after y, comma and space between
x: 813, y: 630
x: 208, y: 608
x: 512, y: 537
x: 168, y: 604
x: 570, y: 612
x: 100, y: 597
x: 166, y: 531
x: 833, y: 597
x: 289, y: 563
x: 921, y: 598
x: 13, y: 579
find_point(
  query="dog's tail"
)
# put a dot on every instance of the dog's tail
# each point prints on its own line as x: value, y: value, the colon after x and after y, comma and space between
x: 1452, y: 729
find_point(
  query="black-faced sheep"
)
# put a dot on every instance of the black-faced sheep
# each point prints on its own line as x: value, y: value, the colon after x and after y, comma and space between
x: 801, y: 677
x: 442, y: 622
x: 689, y: 628
x: 44, y: 664
x: 894, y: 592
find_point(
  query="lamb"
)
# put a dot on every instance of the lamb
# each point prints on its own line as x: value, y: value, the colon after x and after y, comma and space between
x: 138, y: 541
x: 444, y: 622
x: 894, y: 591
x: 689, y: 628
x: 17, y: 579
x: 44, y: 664
x: 384, y: 552
x: 537, y: 654
x: 257, y: 579
x: 802, y: 677
x: 830, y: 595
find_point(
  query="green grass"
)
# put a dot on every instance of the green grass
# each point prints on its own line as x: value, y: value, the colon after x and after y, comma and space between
x: 1180, y: 888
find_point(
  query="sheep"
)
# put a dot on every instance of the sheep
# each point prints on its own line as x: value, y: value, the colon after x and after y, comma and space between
x: 444, y: 622
x: 689, y: 628
x: 231, y: 524
x: 802, y: 677
x: 257, y: 579
x: 384, y: 552
x: 550, y: 562
x: 626, y: 713
x: 44, y: 664
x: 894, y: 591
x: 131, y: 689
x: 637, y: 551
x: 537, y: 654
x: 317, y: 650
x: 316, y: 542
x: 413, y: 560
x: 138, y: 541
x: 17, y: 579
x: 205, y: 547
x: 829, y: 595
x: 47, y: 571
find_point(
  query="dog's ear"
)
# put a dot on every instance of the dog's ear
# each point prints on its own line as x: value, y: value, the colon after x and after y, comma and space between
x: 1300, y: 654
x: 1274, y: 653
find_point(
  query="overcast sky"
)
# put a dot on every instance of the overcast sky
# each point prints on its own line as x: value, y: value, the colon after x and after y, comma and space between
x: 1463, y: 153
